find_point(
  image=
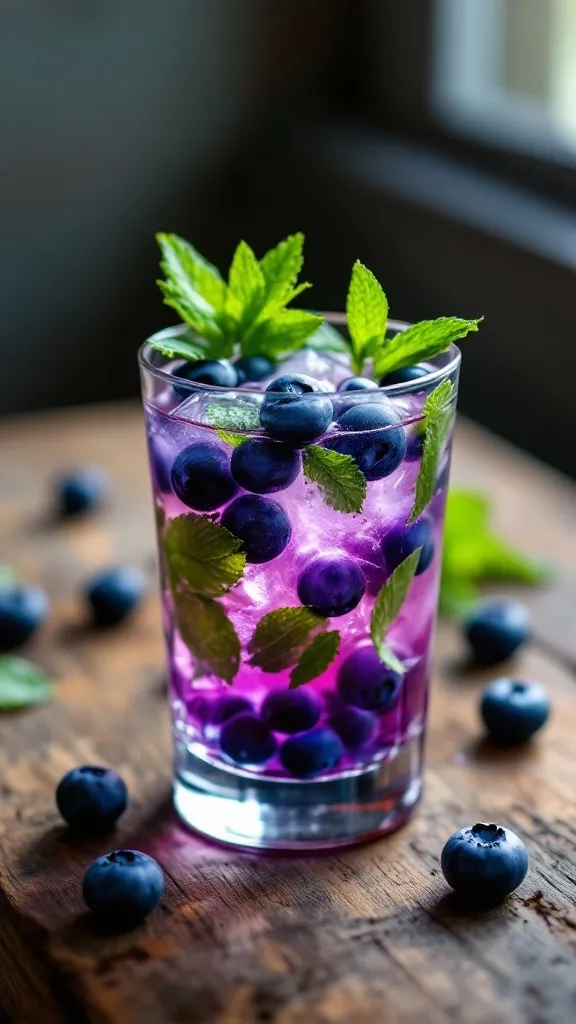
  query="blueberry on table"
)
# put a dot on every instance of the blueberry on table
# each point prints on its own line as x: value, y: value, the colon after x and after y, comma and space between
x: 495, y: 629
x: 331, y: 585
x: 23, y: 608
x: 218, y: 373
x: 261, y: 524
x: 264, y: 466
x: 122, y: 887
x: 374, y: 436
x: 484, y: 862
x: 365, y: 682
x: 513, y: 711
x: 246, y: 739
x: 401, y: 541
x: 113, y: 594
x: 311, y: 753
x: 226, y: 707
x: 294, y: 409
x: 354, y: 726
x: 82, y: 490
x: 201, y: 477
x: 91, y: 798
x: 250, y: 369
x: 403, y: 376
x: 291, y: 711
x: 357, y: 384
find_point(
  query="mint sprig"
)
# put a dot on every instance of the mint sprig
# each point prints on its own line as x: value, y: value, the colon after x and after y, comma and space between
x: 421, y: 341
x: 208, y: 633
x: 438, y: 415
x: 341, y: 482
x: 22, y: 684
x: 279, y: 637
x: 387, y: 606
x: 367, y: 315
x: 202, y: 555
x: 315, y: 658
x: 233, y: 415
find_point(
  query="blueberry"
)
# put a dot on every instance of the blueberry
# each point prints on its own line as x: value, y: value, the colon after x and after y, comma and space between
x: 23, y: 608
x: 311, y: 753
x: 161, y: 459
x: 290, y: 711
x: 253, y: 368
x: 293, y: 410
x: 331, y: 585
x: 403, y: 376
x: 377, y: 452
x: 227, y: 706
x: 218, y: 373
x: 357, y: 384
x: 201, y: 477
x: 265, y: 466
x: 122, y: 887
x: 496, y: 629
x: 513, y: 711
x: 414, y: 445
x: 91, y: 798
x: 484, y: 862
x: 354, y: 727
x: 246, y: 739
x: 261, y: 524
x: 366, y: 683
x: 82, y: 490
x: 113, y: 594
x: 400, y: 542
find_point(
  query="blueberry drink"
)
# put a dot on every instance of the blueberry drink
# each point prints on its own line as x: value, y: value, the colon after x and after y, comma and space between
x: 299, y: 466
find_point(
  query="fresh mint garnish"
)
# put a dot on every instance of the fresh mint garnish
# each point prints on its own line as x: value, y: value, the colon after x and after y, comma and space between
x: 202, y: 554
x: 232, y: 416
x: 279, y: 637
x: 421, y: 341
x: 387, y: 606
x: 367, y: 315
x: 22, y: 684
x: 473, y: 554
x: 232, y: 439
x: 315, y: 658
x: 438, y: 414
x: 328, y: 339
x: 208, y: 633
x: 246, y: 315
x: 341, y: 482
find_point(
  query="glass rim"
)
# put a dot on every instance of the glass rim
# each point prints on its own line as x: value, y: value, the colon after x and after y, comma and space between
x: 439, y: 373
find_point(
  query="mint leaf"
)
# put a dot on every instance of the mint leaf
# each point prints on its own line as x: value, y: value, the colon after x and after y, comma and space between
x: 7, y: 577
x: 280, y: 268
x: 208, y: 633
x: 424, y: 340
x: 232, y: 439
x: 246, y: 286
x: 367, y: 314
x: 202, y: 322
x: 328, y: 339
x: 279, y: 636
x: 341, y: 482
x: 202, y: 554
x: 186, y: 270
x: 286, y: 331
x: 388, y: 604
x: 438, y: 413
x: 22, y: 684
x: 234, y: 415
x: 315, y: 658
x: 179, y: 347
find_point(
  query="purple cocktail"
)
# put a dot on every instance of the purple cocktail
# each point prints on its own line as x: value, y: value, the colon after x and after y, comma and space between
x: 300, y: 512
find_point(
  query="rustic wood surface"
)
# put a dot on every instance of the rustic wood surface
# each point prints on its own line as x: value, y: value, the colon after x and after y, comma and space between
x: 364, y: 936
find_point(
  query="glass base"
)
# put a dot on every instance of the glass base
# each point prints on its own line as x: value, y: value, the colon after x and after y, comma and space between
x: 242, y: 809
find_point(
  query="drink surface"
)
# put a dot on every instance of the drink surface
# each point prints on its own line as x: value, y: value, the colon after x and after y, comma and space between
x: 357, y: 713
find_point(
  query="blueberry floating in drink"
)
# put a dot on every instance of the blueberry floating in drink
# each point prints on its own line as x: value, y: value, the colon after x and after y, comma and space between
x: 252, y: 369
x: 201, y: 477
x: 261, y: 524
x: 292, y: 412
x: 311, y: 753
x: 513, y: 711
x: 374, y: 436
x: 291, y: 711
x: 403, y: 376
x: 265, y: 466
x: 365, y: 682
x: 91, y: 798
x: 228, y: 705
x: 496, y: 629
x: 331, y: 585
x: 484, y: 862
x: 246, y: 739
x: 354, y: 727
x: 123, y: 887
x: 402, y: 540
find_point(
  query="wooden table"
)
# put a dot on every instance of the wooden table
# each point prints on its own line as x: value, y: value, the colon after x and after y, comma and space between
x: 362, y: 936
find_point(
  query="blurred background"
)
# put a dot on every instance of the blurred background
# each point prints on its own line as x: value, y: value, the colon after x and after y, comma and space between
x: 435, y: 140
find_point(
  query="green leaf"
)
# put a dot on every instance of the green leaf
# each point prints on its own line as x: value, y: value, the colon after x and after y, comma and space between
x: 189, y: 272
x: 233, y: 415
x: 341, y: 482
x: 180, y: 348
x: 328, y: 339
x: 315, y: 658
x: 202, y: 554
x: 280, y: 268
x: 203, y: 322
x: 22, y: 684
x: 246, y: 286
x: 367, y: 314
x: 279, y: 636
x: 424, y: 340
x: 388, y: 604
x: 208, y: 633
x: 388, y: 657
x: 287, y: 331
x: 438, y: 414
x: 7, y: 576
x: 232, y: 439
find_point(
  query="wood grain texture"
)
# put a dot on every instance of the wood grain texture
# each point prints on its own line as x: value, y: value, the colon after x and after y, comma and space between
x: 364, y: 936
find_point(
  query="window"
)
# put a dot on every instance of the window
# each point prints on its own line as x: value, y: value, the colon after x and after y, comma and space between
x: 504, y: 71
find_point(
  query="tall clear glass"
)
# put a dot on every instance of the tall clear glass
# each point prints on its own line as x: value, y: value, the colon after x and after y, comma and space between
x: 259, y: 761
